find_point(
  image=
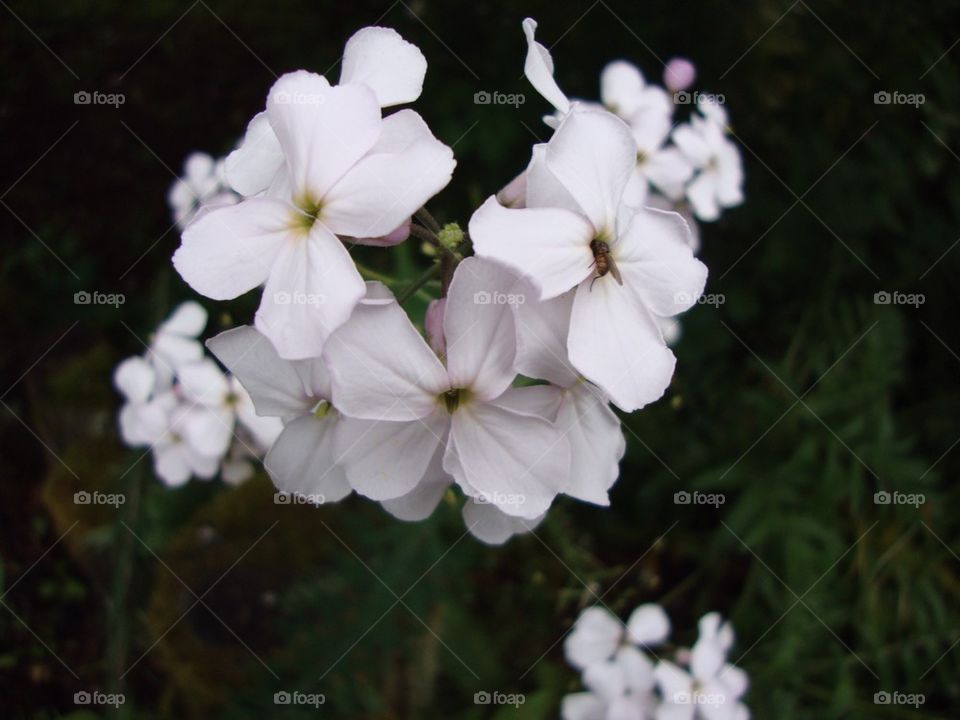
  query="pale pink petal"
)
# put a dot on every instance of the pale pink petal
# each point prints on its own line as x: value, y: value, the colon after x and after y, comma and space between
x: 419, y: 503
x: 203, y: 382
x: 595, y: 637
x: 381, y: 368
x: 254, y: 165
x: 188, y: 320
x: 615, y: 343
x: 516, y: 462
x: 386, y: 63
x: 135, y: 379
x: 621, y: 84
x: 656, y: 262
x: 538, y: 68
x: 386, y: 459
x: 302, y: 460
x: 592, y: 154
x: 311, y: 291
x: 478, y: 326
x: 231, y: 250
x: 323, y: 130
x: 702, y: 194
x: 433, y: 325
x: 493, y: 527
x: 550, y: 246
x: 596, y: 443
x: 275, y: 385
x: 648, y: 625
x: 542, y: 329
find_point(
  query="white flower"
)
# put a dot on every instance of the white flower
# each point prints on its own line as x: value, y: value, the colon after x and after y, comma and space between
x: 620, y: 688
x: 142, y: 419
x: 301, y: 459
x: 712, y: 688
x: 375, y: 57
x: 538, y: 68
x: 624, y: 92
x: 598, y: 634
x: 202, y: 182
x: 175, y: 343
x: 719, y: 180
x: 575, y: 220
x: 175, y: 458
x: 578, y: 408
x: 406, y: 405
x: 347, y: 172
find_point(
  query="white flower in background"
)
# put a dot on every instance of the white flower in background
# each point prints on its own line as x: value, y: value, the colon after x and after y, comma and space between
x: 203, y: 183
x: 406, y: 405
x: 598, y: 634
x: 628, y: 265
x: 623, y: 683
x: 142, y: 419
x: 175, y: 342
x: 578, y: 408
x: 625, y: 92
x: 719, y: 180
x: 709, y: 688
x: 661, y: 167
x: 297, y: 392
x: 348, y: 172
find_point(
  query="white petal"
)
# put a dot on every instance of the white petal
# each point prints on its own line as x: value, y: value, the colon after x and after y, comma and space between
x: 311, y: 291
x: 671, y: 711
x: 323, y: 130
x: 594, y: 638
x: 592, y: 154
x: 692, y: 144
x: 702, y: 194
x: 170, y: 464
x: 543, y: 188
x: 169, y: 352
x: 538, y: 68
x: 491, y: 526
x: 386, y: 63
x: 542, y: 329
x: 203, y: 382
x: 387, y: 459
x: 729, y: 175
x: 302, y: 460
x: 516, y: 462
x: 387, y: 186
x: 668, y: 170
x: 596, y: 443
x: 637, y: 669
x: 605, y: 679
x: 582, y: 706
x: 253, y: 166
x: 655, y: 260
x: 264, y: 431
x: 188, y: 320
x: 230, y: 250
x: 380, y: 366
x: 208, y: 430
x: 615, y: 343
x: 672, y: 681
x: 620, y: 86
x: 734, y: 679
x: 274, y: 384
x: 478, y: 326
x: 419, y: 503
x: 134, y: 378
x: 551, y: 246
x: 648, y: 625
x: 538, y: 400
x: 706, y: 659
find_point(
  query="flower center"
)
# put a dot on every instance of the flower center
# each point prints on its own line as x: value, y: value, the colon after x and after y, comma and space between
x: 308, y: 212
x: 323, y: 409
x: 454, y: 398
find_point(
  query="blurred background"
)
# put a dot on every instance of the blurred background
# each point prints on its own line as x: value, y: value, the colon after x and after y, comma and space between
x: 799, y: 398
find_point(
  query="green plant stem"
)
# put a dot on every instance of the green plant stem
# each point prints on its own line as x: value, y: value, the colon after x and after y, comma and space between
x: 426, y: 276
x: 424, y: 216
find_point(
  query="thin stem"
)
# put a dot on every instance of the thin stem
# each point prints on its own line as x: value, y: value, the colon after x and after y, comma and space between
x: 426, y: 234
x: 424, y: 216
x: 371, y: 274
x: 425, y: 277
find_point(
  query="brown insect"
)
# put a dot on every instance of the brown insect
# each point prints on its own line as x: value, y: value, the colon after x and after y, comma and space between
x: 603, y: 262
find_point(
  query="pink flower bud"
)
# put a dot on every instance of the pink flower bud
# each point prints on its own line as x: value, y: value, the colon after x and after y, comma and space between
x: 433, y: 324
x: 679, y: 74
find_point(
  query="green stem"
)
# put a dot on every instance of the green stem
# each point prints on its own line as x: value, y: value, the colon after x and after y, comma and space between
x: 425, y: 277
x: 371, y: 274
x: 424, y: 216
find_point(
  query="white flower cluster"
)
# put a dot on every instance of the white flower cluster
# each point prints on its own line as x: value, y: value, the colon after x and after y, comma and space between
x: 573, y: 278
x: 627, y: 679
x: 203, y: 184
x: 196, y: 420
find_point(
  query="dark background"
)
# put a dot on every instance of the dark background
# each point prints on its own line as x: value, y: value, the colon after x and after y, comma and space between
x: 798, y: 398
